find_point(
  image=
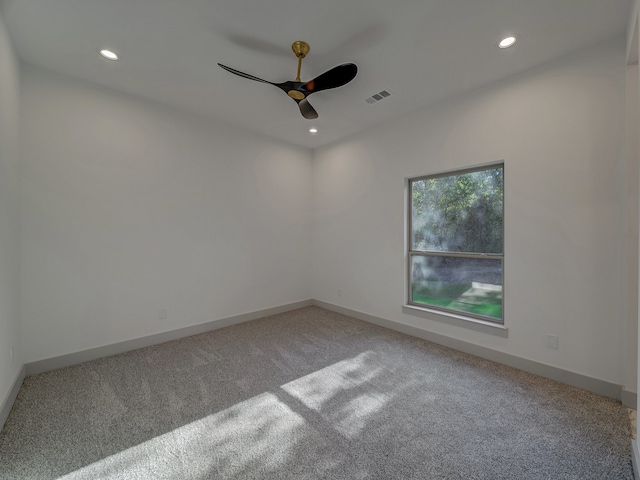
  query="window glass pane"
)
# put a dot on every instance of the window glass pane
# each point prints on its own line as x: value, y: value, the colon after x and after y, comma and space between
x: 458, y: 213
x: 472, y: 285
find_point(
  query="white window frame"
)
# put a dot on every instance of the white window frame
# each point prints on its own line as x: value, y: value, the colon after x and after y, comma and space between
x: 450, y: 315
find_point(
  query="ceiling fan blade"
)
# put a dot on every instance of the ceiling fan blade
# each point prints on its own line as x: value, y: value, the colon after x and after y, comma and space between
x: 306, y: 109
x: 244, y: 75
x: 336, y: 77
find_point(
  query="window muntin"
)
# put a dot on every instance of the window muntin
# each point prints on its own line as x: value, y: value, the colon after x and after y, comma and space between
x: 456, y: 242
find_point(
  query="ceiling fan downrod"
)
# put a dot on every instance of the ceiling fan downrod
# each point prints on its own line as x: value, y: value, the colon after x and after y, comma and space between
x: 300, y: 49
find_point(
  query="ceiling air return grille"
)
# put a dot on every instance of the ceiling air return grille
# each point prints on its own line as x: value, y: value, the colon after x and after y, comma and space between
x: 377, y: 97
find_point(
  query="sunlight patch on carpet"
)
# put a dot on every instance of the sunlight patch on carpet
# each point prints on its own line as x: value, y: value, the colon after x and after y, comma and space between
x: 259, y: 434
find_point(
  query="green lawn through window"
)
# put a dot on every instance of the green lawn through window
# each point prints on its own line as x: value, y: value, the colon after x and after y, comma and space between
x: 465, y: 298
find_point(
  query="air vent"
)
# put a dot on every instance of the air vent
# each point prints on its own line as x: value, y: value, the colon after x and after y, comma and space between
x: 377, y: 97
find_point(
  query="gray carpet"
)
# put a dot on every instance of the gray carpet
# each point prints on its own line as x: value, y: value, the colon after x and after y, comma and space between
x: 304, y: 395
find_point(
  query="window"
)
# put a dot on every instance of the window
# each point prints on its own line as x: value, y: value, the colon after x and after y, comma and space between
x: 456, y: 242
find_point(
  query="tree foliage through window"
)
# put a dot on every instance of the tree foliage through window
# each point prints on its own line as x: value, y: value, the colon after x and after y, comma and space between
x: 459, y: 213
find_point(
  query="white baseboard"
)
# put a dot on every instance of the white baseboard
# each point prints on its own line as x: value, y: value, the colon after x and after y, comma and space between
x: 70, y: 359
x: 584, y: 382
x: 10, y: 398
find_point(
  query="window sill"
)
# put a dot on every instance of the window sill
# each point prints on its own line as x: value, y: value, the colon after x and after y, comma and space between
x: 458, y: 320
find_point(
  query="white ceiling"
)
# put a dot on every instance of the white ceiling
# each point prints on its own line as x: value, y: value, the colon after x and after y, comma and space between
x: 421, y: 51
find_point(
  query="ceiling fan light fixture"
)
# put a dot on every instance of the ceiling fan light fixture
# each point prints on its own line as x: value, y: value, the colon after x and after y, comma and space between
x: 108, y: 54
x: 507, y: 42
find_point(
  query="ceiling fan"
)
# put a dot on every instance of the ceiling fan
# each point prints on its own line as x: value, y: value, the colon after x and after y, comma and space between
x: 298, y: 90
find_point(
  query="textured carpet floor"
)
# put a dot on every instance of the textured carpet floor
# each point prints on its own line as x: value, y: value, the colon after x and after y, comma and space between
x: 304, y: 395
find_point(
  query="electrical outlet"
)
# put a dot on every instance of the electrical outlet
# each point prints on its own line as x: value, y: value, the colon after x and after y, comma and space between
x: 163, y: 314
x: 552, y: 341
x: 339, y: 292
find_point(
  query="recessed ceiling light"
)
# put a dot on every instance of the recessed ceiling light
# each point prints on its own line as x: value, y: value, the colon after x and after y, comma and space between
x: 507, y: 42
x: 313, y: 130
x: 108, y: 54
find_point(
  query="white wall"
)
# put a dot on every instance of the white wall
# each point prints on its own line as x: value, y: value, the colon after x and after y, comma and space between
x: 632, y: 209
x: 633, y: 133
x: 560, y: 131
x: 130, y: 208
x: 633, y: 47
x: 9, y: 215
